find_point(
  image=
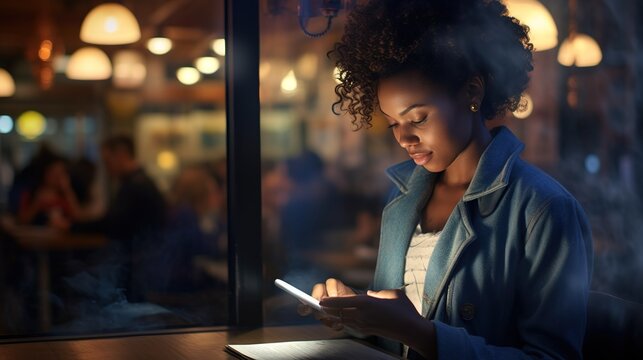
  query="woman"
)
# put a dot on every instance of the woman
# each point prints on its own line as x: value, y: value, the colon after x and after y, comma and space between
x: 481, y: 254
x: 52, y: 201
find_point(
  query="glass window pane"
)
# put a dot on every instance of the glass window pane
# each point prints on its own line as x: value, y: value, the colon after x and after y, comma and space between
x: 112, y: 178
x: 323, y: 184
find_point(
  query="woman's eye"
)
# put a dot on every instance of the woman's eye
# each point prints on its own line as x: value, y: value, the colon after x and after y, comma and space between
x: 420, y: 121
x: 390, y: 126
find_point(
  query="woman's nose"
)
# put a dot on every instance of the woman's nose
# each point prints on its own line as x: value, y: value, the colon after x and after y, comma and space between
x: 406, y: 137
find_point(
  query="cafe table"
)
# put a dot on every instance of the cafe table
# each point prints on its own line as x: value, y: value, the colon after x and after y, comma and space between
x: 42, y: 240
x: 195, y: 344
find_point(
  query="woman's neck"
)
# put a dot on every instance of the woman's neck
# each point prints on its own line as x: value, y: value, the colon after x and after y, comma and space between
x: 461, y: 171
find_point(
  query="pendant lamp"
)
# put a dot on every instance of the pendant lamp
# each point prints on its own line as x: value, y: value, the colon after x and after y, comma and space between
x: 543, y: 32
x: 110, y: 24
x: 89, y: 63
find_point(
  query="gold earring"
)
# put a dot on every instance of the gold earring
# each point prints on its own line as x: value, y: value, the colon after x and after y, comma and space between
x: 474, y: 107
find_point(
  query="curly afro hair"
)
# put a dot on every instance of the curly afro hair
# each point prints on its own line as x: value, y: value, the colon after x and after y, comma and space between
x: 449, y: 41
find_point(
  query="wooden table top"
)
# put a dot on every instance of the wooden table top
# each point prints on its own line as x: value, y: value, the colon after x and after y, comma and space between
x: 191, y: 345
x: 45, y: 238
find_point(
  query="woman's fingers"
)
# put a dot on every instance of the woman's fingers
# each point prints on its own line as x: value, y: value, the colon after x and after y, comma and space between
x: 319, y: 291
x: 331, y: 286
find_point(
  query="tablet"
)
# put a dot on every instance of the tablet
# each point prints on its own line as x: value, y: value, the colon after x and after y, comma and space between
x: 302, y: 296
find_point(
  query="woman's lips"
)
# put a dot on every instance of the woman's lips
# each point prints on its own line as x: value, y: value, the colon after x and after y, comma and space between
x: 421, y: 158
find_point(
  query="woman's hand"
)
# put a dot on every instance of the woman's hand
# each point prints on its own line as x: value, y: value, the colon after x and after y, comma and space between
x: 332, y: 287
x: 386, y: 313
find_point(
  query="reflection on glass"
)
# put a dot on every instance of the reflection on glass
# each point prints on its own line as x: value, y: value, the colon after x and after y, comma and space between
x: 112, y: 193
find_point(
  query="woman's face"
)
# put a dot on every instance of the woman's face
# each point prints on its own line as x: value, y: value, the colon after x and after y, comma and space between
x: 430, y: 123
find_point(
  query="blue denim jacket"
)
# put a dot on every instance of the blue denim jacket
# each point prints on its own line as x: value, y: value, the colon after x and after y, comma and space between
x: 510, y: 275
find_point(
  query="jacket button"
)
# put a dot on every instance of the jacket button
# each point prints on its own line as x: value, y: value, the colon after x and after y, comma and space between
x: 467, y: 312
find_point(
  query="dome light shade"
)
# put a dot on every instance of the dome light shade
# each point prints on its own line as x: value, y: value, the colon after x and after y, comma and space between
x: 110, y: 24
x: 188, y: 75
x: 580, y: 50
x: 159, y: 45
x: 7, y: 85
x: 218, y: 46
x: 129, y: 69
x: 89, y: 63
x: 543, y: 32
x: 207, y: 64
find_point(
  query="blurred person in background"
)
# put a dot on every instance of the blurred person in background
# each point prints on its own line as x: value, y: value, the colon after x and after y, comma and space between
x: 481, y: 255
x: 196, y: 237
x: 135, y: 217
x: 51, y: 200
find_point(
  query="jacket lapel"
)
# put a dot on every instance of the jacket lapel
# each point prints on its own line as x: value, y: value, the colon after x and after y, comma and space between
x: 397, y: 230
x: 455, y: 237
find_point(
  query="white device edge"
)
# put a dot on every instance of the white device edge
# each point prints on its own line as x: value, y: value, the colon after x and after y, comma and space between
x: 307, y: 299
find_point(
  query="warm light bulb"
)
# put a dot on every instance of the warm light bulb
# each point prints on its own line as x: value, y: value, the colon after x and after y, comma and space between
x: 207, y: 64
x: 582, y: 51
x: 44, y: 52
x: 188, y: 75
x: 89, y: 63
x: 526, y: 107
x: 289, y: 82
x: 218, y: 46
x: 7, y: 85
x: 167, y: 160
x: 543, y: 33
x: 31, y: 124
x: 110, y: 24
x: 159, y: 45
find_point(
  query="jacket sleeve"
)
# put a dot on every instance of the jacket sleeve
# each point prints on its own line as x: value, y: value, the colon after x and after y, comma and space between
x: 553, y: 286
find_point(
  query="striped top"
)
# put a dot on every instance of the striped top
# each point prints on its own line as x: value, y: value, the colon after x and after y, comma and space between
x: 417, y: 260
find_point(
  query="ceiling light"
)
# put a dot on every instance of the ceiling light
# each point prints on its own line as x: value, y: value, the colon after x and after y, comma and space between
x: 207, y: 64
x: 218, y: 46
x: 89, y: 63
x: 159, y: 45
x: 289, y: 82
x: 188, y: 75
x: 110, y: 24
x: 543, y: 32
x: 580, y: 50
x: 7, y: 85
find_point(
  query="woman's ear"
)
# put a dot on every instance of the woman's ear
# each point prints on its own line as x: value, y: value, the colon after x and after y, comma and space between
x: 475, y: 90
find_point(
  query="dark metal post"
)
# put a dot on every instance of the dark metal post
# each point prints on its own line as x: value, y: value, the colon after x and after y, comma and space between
x: 244, y: 162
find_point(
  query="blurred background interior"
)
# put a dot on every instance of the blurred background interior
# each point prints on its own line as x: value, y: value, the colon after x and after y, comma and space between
x: 113, y: 156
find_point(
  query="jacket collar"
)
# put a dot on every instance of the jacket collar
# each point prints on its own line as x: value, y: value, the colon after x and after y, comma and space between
x: 492, y: 173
